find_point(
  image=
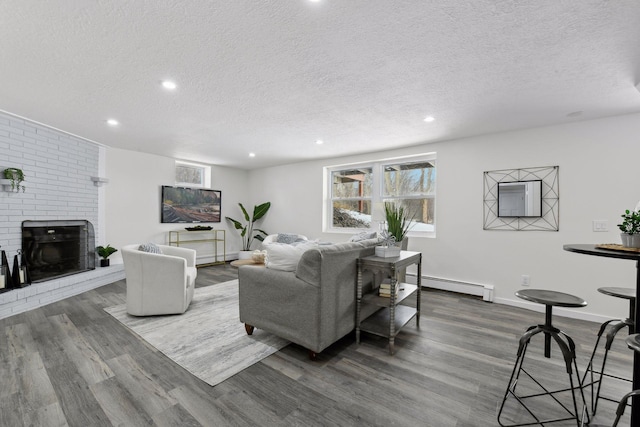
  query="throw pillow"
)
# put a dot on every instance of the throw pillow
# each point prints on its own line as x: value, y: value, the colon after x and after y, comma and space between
x: 286, y: 238
x: 281, y: 256
x: 150, y: 247
x: 365, y: 235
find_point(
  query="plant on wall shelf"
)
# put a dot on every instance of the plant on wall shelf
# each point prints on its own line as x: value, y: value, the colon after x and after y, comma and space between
x: 247, y: 232
x: 16, y: 176
x: 105, y: 252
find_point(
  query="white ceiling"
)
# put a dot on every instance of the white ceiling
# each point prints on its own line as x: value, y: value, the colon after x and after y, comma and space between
x: 273, y: 76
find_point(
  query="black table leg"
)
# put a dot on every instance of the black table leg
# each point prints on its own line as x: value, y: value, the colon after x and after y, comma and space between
x: 635, y: 402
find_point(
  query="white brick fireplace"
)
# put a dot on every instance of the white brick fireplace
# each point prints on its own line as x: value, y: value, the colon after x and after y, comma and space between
x: 58, y: 170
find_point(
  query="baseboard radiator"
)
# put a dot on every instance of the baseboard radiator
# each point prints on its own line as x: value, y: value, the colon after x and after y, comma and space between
x: 476, y: 289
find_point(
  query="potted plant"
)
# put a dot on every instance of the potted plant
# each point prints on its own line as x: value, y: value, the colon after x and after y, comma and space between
x: 630, y: 227
x: 16, y: 177
x: 247, y: 231
x: 399, y: 221
x: 105, y: 252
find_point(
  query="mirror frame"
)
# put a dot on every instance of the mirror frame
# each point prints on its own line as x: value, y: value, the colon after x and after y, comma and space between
x: 550, y: 194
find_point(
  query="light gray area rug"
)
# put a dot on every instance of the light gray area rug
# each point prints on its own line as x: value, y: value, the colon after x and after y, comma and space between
x: 208, y: 340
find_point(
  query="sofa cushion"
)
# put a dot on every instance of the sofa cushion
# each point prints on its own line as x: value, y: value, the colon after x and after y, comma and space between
x: 150, y: 247
x: 282, y: 256
x: 288, y: 238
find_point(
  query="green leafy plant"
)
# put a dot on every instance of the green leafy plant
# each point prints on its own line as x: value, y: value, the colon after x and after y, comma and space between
x: 247, y: 230
x: 105, y: 251
x: 399, y: 221
x: 16, y: 176
x: 630, y: 222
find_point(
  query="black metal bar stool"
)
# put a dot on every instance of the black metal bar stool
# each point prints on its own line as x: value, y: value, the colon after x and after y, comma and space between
x: 614, y: 326
x: 633, y: 342
x: 568, y: 349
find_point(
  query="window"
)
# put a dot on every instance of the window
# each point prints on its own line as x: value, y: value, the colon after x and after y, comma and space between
x: 193, y: 174
x: 356, y: 193
x: 351, y: 197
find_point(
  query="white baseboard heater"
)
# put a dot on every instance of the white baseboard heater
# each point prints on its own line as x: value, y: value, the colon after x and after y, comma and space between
x: 477, y: 289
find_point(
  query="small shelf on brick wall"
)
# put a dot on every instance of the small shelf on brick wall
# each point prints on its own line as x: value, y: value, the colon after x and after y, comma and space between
x: 5, y: 184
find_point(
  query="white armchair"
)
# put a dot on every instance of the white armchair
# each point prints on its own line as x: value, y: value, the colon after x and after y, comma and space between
x: 159, y: 283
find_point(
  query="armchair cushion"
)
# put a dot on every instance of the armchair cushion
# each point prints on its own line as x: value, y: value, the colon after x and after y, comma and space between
x: 150, y: 247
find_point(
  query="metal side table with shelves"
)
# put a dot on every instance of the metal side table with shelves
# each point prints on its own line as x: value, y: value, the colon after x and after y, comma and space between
x: 216, y: 237
x: 385, y: 316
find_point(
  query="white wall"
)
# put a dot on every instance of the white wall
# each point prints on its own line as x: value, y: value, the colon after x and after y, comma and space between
x: 598, y: 179
x: 133, y: 199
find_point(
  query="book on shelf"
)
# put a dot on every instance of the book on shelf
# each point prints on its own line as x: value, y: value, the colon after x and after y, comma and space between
x: 386, y: 292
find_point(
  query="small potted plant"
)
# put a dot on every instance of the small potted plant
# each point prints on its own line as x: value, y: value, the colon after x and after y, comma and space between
x: 105, y: 252
x: 399, y: 222
x: 247, y: 230
x: 16, y: 177
x: 630, y: 227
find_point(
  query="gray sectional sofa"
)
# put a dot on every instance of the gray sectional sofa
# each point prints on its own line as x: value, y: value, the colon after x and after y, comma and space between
x: 314, y: 305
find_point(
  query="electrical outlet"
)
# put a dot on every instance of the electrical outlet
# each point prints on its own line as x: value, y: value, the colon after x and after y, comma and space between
x: 524, y: 281
x: 600, y: 225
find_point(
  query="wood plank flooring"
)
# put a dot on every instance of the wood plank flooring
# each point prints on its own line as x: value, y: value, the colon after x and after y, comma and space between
x: 72, y: 364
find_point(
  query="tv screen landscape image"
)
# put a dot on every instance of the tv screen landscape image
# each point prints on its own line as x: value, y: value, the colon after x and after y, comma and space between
x: 187, y: 205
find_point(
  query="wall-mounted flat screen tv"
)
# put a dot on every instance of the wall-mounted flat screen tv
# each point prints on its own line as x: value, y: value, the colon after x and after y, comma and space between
x: 182, y: 204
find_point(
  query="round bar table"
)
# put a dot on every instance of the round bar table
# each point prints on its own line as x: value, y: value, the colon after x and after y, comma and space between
x: 634, y: 256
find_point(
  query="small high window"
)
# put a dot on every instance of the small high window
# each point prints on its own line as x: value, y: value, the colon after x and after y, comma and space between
x: 192, y: 174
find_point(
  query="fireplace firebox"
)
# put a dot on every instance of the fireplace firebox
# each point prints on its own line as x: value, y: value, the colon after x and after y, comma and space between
x: 58, y: 248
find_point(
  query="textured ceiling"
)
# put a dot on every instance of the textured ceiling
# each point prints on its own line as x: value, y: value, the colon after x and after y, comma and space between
x: 273, y: 76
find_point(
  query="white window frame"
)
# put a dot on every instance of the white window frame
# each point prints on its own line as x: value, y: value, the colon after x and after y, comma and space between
x: 206, y: 175
x: 377, y: 198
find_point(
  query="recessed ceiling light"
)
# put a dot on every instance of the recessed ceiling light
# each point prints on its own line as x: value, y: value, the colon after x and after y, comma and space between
x: 429, y: 119
x: 319, y: 141
x: 252, y: 154
x: 112, y: 122
x: 167, y: 84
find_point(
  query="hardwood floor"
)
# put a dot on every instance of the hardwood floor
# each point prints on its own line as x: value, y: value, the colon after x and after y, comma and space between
x: 72, y: 364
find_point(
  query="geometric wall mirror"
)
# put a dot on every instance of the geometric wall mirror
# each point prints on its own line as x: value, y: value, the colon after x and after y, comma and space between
x: 522, y: 199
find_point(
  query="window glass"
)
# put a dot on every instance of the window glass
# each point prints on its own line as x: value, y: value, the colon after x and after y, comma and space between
x: 351, y: 197
x: 357, y: 193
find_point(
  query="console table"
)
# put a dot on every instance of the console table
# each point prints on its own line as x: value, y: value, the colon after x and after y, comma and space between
x: 384, y: 316
x: 215, y: 237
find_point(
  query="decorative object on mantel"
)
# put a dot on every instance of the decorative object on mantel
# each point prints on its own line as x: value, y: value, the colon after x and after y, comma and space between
x: 98, y: 181
x: 199, y: 228
x: 15, y: 177
x: 630, y: 227
x: 247, y: 231
x: 20, y: 274
x: 6, y: 283
x: 105, y: 252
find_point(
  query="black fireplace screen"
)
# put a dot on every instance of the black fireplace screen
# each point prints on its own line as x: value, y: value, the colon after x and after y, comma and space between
x: 58, y: 248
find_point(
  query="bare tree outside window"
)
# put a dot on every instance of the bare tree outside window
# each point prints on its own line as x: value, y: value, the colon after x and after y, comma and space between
x: 187, y: 174
x: 412, y: 185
